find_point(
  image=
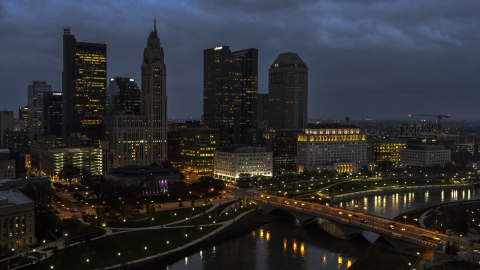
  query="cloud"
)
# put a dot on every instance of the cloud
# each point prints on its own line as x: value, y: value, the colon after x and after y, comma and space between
x: 370, y: 58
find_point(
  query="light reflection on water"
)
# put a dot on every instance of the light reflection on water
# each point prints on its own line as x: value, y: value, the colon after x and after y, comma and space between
x: 277, y: 245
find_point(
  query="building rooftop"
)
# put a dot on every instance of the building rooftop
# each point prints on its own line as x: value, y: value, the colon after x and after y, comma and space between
x: 14, y: 197
x: 289, y: 58
x: 141, y: 170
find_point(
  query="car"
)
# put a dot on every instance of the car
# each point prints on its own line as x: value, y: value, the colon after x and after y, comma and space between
x: 355, y: 215
x: 476, y: 251
x: 364, y: 220
x: 403, y: 229
x: 349, y: 214
x: 340, y: 213
x: 392, y: 224
x: 391, y: 227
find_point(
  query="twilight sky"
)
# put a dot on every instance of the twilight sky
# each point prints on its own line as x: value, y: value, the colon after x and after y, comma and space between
x: 367, y: 59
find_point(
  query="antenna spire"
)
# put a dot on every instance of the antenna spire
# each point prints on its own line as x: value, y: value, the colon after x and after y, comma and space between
x: 155, y: 24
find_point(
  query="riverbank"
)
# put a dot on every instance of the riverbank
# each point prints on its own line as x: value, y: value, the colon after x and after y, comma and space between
x: 239, y: 228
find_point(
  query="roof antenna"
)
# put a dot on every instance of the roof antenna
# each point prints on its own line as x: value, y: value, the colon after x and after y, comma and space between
x: 155, y: 24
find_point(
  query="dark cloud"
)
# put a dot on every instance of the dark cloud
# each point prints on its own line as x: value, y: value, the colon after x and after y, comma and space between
x: 376, y: 59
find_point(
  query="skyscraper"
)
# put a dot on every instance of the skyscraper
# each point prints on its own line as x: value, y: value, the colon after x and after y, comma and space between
x: 6, y: 122
x: 84, y: 82
x: 122, y: 94
x: 154, y: 98
x: 36, y: 122
x: 288, y: 92
x: 52, y: 113
x: 141, y: 138
x: 230, y: 88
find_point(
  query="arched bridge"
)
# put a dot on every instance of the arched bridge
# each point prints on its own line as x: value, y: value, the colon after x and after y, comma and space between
x: 346, y: 224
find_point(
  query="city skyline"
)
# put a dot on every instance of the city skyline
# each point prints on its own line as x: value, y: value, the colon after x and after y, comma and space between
x: 374, y: 59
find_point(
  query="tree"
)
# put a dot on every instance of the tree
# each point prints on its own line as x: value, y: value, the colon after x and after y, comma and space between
x: 454, y: 248
x: 86, y: 180
x: 448, y: 248
x: 69, y: 172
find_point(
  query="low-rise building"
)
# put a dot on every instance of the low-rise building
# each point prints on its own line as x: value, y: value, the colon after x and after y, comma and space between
x: 231, y: 161
x: 152, y: 180
x: 17, y: 220
x: 425, y: 156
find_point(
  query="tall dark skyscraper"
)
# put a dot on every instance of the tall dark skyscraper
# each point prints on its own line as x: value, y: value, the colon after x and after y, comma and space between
x: 288, y: 92
x: 122, y: 94
x: 230, y: 89
x: 84, y: 83
x: 154, y: 98
x: 36, y: 120
x: 52, y: 113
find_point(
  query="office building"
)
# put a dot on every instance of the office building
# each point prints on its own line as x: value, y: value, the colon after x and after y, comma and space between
x: 424, y: 156
x: 197, y: 148
x: 283, y: 144
x: 336, y: 147
x: 232, y: 161
x: 288, y: 92
x: 6, y: 123
x: 140, y: 137
x: 7, y: 165
x: 230, y: 88
x: 154, y: 99
x: 52, y: 114
x: 17, y: 216
x: 84, y: 83
x: 23, y: 117
x: 387, y: 150
x: 36, y: 121
x: 123, y: 94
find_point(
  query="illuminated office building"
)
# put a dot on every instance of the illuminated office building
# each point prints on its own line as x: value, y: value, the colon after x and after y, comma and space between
x: 388, y: 150
x: 36, y: 121
x: 197, y: 148
x: 340, y: 148
x: 84, y: 83
x: 23, y: 118
x: 128, y: 142
x: 230, y: 88
x: 232, y: 161
x: 17, y: 216
x: 288, y: 92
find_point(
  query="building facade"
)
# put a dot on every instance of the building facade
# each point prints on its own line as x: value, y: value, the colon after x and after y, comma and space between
x: 230, y: 88
x: 84, y: 83
x: 387, y: 150
x: 52, y: 114
x: 6, y: 123
x: 128, y: 141
x: 288, y: 92
x: 329, y: 146
x: 53, y: 160
x: 36, y: 121
x: 232, y: 161
x: 425, y: 156
x: 17, y: 220
x: 154, y: 99
x: 197, y: 149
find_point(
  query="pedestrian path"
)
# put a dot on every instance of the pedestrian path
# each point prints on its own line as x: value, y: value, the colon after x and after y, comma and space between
x: 59, y: 244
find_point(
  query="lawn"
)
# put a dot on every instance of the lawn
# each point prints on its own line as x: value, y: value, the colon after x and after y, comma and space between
x: 214, y: 215
x: 161, y: 217
x: 122, y: 247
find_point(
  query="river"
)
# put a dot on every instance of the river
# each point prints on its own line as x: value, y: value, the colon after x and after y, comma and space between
x: 280, y: 245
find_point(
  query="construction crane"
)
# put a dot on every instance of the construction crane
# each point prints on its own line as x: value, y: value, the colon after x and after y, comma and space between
x: 438, y: 116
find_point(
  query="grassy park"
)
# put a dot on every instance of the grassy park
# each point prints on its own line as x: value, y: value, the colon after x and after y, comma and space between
x: 122, y: 247
x: 161, y: 217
